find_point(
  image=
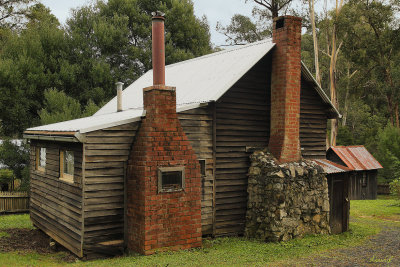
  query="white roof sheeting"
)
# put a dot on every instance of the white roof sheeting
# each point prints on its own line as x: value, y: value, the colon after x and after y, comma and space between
x: 93, y: 123
x: 199, y: 80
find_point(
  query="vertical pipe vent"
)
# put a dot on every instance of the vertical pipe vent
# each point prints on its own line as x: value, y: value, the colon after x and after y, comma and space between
x: 158, y: 48
x: 119, y: 95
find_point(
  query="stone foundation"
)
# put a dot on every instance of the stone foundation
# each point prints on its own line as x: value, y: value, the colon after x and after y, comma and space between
x: 285, y: 200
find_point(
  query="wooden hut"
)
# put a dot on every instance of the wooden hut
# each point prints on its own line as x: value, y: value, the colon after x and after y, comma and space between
x: 338, y: 187
x: 364, y: 167
x: 223, y: 103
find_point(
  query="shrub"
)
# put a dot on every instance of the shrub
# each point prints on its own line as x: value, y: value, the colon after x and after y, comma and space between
x: 6, y: 176
x: 395, y: 187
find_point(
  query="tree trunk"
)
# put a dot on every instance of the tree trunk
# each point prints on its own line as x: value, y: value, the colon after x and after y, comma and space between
x: 332, y: 75
x: 332, y: 79
x: 346, y: 101
x: 390, y: 108
x: 315, y: 40
x: 396, y: 110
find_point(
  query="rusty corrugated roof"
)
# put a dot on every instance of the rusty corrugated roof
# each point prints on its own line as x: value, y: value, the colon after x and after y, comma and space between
x: 331, y: 167
x: 356, y: 157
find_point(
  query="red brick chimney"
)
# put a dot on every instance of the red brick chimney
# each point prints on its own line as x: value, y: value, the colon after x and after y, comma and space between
x: 163, y: 176
x: 284, y: 142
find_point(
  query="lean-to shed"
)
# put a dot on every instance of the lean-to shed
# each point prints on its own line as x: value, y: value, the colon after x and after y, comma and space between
x: 364, y: 167
x: 88, y: 193
x: 338, y: 187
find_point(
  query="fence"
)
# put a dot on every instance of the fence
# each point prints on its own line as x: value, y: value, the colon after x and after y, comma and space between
x: 383, y: 189
x: 14, y: 201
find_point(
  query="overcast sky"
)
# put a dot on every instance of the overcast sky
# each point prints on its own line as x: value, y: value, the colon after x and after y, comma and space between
x: 215, y: 10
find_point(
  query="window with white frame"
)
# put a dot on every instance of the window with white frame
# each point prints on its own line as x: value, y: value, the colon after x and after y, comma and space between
x: 41, y: 159
x: 67, y: 166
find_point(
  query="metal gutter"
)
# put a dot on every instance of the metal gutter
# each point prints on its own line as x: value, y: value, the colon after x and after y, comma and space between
x: 52, y: 138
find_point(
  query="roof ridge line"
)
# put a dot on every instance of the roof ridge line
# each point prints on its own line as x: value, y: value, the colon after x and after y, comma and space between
x: 266, y: 40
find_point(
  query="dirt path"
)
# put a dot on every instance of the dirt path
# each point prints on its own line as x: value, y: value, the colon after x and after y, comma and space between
x: 31, y: 241
x: 382, y: 249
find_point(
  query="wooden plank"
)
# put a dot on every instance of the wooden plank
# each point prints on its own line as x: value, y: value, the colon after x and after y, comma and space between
x: 100, y: 213
x: 104, y: 187
x: 53, y: 233
x: 57, y: 183
x: 102, y: 165
x: 109, y: 140
x: 214, y: 156
x: 111, y: 152
x: 108, y: 146
x: 104, y: 172
x: 53, y: 209
x: 108, y: 133
x: 90, y: 159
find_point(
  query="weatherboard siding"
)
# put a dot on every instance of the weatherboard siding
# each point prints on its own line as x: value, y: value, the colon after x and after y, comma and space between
x: 242, y: 122
x: 313, y: 123
x: 106, y: 152
x: 198, y: 127
x: 55, y: 205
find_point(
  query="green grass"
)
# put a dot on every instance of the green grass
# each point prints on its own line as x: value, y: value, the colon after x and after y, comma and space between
x: 230, y: 251
x: 383, y: 209
x: 4, y: 234
x: 239, y: 251
x: 15, y: 221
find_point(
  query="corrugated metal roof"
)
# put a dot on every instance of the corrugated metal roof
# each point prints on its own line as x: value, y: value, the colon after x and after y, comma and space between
x: 199, y: 80
x: 92, y: 123
x: 356, y: 157
x: 331, y: 167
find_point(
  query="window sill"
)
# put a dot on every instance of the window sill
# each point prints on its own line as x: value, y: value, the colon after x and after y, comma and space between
x: 170, y: 190
x: 68, y: 179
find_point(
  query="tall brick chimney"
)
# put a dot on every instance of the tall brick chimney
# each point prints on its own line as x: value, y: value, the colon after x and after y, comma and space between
x: 284, y: 142
x: 163, y: 176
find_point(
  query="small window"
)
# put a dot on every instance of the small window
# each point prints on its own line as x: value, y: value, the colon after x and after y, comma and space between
x: 40, y: 158
x: 67, y: 165
x: 171, y: 179
x: 202, y: 167
x: 280, y: 23
x: 364, y: 179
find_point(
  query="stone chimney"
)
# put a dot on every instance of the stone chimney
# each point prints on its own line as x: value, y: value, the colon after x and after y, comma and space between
x: 284, y: 142
x: 163, y: 176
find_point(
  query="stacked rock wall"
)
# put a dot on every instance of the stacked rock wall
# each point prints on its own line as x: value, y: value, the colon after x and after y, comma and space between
x: 285, y: 200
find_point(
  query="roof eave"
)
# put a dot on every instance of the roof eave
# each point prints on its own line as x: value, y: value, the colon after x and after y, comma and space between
x: 70, y: 137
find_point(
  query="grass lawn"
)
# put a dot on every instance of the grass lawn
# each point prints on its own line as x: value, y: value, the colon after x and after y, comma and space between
x: 229, y: 251
x: 384, y: 208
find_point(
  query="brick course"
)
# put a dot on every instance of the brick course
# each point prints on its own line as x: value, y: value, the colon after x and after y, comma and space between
x: 170, y: 220
x: 284, y: 141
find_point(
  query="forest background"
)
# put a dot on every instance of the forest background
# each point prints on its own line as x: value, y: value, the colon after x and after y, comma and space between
x: 52, y: 72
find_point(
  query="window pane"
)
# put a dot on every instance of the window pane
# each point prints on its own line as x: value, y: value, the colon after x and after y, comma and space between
x: 172, y: 180
x: 69, y: 162
x: 42, y: 157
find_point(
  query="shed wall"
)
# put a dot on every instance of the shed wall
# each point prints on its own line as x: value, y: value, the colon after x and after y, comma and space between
x: 198, y: 127
x: 313, y: 123
x: 106, y: 153
x: 358, y: 190
x: 242, y: 121
x: 55, y: 205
